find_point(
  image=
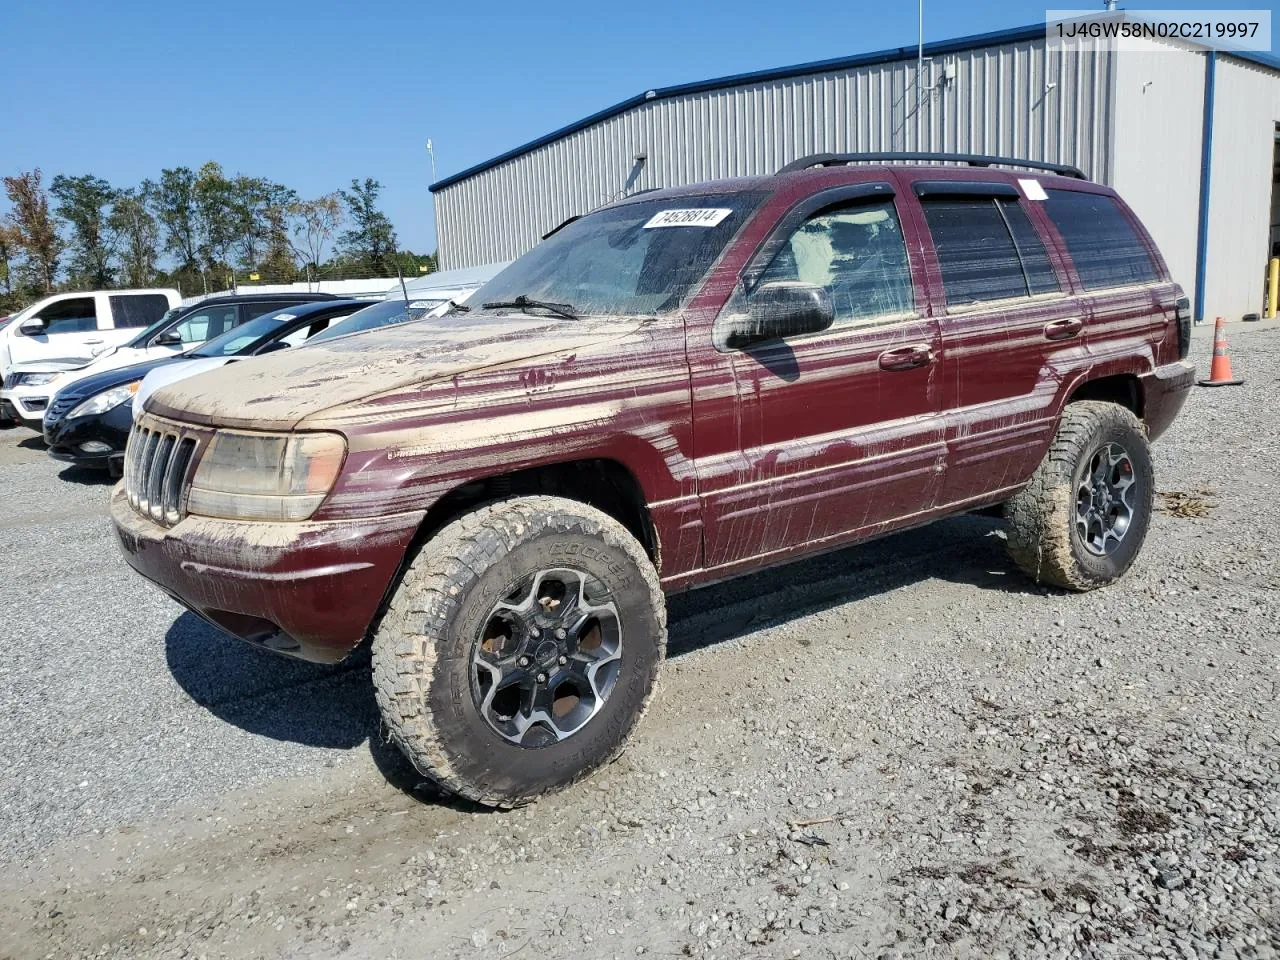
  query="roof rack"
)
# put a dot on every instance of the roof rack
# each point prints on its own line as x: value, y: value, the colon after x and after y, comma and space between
x: 971, y: 159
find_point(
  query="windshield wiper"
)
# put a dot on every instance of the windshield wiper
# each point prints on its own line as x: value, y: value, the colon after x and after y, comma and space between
x: 524, y: 303
x: 456, y: 307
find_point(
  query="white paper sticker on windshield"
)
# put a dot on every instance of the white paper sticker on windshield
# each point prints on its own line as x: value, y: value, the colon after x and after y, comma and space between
x: 707, y: 217
x: 285, y: 317
x: 1032, y: 190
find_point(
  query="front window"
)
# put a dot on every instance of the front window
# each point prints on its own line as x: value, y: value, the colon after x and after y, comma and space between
x: 144, y: 338
x: 76, y: 315
x: 635, y: 259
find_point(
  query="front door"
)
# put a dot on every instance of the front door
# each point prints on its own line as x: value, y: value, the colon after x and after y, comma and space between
x: 71, y: 331
x: 836, y: 432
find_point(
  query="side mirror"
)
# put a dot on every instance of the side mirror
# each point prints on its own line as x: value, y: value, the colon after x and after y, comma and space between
x: 34, y: 327
x: 167, y: 338
x: 783, y: 308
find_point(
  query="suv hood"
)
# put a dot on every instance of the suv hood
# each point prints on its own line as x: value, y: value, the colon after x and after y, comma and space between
x: 278, y: 390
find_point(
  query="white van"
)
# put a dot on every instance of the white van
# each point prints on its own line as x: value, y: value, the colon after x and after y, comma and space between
x: 76, y: 327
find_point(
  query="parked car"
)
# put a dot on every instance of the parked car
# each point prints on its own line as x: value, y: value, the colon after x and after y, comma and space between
x: 88, y: 422
x: 78, y: 326
x: 678, y: 388
x: 29, y: 386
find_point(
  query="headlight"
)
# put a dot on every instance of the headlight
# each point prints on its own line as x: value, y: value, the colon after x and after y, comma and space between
x: 260, y: 476
x: 104, y: 401
x: 36, y: 379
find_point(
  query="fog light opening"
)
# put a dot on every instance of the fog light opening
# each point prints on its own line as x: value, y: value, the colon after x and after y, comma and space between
x: 95, y: 446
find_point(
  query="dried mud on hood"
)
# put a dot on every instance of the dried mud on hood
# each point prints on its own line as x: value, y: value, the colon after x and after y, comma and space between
x: 277, y: 391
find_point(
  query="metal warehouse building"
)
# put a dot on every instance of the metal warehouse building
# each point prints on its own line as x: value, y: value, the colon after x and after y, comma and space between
x: 1187, y: 136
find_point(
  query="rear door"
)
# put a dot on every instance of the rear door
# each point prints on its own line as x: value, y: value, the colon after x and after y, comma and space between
x: 1008, y: 322
x: 837, y: 431
x: 72, y: 331
x: 1130, y: 303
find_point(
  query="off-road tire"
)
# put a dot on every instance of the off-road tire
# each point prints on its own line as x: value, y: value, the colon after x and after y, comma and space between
x: 422, y: 649
x: 1043, y: 538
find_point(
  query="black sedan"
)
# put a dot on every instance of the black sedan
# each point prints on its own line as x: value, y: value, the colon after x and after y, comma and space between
x: 88, y: 423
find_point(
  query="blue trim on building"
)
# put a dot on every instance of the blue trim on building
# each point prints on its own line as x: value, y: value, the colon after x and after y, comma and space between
x: 939, y: 48
x: 1206, y: 168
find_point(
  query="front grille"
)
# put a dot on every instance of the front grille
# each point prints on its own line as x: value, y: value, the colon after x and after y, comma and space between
x: 156, y: 462
x: 60, y: 407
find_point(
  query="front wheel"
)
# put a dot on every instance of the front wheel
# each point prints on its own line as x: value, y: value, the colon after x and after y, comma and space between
x: 521, y: 649
x: 1081, y: 521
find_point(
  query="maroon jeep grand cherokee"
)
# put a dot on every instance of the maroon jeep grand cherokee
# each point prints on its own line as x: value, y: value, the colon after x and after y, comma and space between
x: 678, y: 388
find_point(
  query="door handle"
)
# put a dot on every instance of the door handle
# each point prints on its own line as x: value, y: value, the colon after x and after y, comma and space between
x: 98, y: 340
x: 1063, y: 329
x: 906, y: 358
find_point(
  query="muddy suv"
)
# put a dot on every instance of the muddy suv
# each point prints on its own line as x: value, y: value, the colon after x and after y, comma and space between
x: 676, y: 389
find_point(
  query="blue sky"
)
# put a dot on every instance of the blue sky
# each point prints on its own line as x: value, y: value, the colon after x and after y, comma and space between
x: 314, y: 93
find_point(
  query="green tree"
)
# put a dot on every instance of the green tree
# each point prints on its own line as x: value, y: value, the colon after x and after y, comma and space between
x: 84, y: 203
x: 259, y: 208
x: 138, y: 233
x: 371, y: 242
x: 173, y: 201
x: 33, y: 227
x: 218, y: 222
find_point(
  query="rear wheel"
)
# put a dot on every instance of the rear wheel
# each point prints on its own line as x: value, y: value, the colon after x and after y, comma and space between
x: 521, y: 649
x: 1081, y: 521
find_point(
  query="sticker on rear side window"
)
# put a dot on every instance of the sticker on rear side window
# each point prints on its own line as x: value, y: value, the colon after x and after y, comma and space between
x: 706, y: 217
x: 1032, y: 190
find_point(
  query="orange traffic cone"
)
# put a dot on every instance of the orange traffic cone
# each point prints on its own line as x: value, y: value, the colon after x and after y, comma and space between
x: 1220, y: 370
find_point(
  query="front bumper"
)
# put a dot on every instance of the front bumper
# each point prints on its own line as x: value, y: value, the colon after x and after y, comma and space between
x: 1164, y: 391
x: 66, y: 438
x: 310, y: 590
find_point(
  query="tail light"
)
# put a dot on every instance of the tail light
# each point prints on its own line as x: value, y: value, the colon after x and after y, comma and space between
x: 1184, y: 327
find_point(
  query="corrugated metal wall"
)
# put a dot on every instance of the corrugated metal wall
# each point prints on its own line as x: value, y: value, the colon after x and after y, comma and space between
x: 1016, y: 99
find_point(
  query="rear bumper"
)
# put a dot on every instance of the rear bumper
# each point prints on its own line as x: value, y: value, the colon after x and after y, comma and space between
x: 1164, y: 391
x: 309, y: 590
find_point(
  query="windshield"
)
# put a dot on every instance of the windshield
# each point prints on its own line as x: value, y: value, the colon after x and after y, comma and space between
x: 382, y: 314
x: 143, y: 339
x: 240, y: 338
x: 640, y: 258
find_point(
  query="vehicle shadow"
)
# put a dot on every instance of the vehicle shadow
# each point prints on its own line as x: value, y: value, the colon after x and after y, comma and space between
x: 87, y: 476
x: 333, y: 706
x: 33, y: 442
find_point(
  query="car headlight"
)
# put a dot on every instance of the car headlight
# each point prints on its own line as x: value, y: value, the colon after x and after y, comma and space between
x: 104, y: 401
x: 36, y: 379
x: 261, y: 476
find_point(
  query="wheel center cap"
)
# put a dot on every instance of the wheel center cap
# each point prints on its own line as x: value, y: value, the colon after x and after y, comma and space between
x: 547, y: 653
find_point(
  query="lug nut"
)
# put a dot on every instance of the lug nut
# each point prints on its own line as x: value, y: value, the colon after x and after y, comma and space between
x: 524, y: 661
x: 542, y: 678
x: 535, y: 632
x: 563, y: 660
x: 561, y: 633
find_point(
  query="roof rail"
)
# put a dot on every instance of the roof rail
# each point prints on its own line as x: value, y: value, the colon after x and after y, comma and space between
x: 971, y: 159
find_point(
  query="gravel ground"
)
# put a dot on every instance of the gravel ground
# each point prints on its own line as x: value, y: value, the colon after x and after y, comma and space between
x: 903, y: 749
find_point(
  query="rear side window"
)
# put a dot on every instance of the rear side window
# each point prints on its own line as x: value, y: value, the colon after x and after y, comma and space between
x: 76, y: 315
x: 987, y: 249
x: 138, y: 311
x: 1103, y: 244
